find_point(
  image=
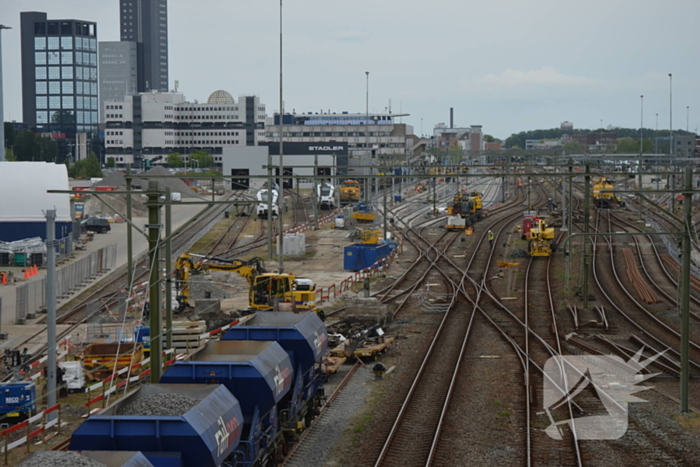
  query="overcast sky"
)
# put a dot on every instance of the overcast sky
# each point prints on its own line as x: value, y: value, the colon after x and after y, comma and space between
x: 509, y: 65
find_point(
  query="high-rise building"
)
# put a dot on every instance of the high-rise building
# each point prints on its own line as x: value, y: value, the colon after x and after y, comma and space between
x: 59, y: 75
x: 146, y: 23
x: 118, y: 76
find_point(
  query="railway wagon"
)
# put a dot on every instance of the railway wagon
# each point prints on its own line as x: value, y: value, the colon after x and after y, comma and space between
x: 305, y: 339
x: 272, y: 363
x: 258, y: 374
x: 188, y: 425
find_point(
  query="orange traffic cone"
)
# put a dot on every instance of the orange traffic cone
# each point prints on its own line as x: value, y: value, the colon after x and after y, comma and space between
x: 26, y: 273
x: 4, y: 278
x: 36, y: 269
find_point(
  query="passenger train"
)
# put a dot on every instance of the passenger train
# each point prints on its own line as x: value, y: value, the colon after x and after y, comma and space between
x: 325, y: 194
x: 263, y: 206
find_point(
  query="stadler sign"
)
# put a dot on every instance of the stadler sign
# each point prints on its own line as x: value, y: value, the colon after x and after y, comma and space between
x: 304, y: 149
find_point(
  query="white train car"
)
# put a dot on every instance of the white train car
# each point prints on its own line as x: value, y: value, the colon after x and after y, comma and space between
x: 263, y: 198
x: 325, y: 194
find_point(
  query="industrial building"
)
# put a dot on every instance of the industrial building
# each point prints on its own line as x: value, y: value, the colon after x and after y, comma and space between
x: 298, y: 159
x: 23, y: 186
x: 154, y: 124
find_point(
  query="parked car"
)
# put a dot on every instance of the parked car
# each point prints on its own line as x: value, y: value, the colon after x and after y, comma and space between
x: 96, y: 224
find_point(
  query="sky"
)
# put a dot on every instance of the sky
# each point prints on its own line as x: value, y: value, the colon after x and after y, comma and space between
x: 509, y: 65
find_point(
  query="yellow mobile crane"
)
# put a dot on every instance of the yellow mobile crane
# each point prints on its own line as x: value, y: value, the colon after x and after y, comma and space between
x: 266, y: 289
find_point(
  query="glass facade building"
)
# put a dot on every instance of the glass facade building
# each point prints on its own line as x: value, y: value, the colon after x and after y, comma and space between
x: 59, y: 74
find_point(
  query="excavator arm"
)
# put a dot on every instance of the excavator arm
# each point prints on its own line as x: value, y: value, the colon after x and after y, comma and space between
x: 186, y: 266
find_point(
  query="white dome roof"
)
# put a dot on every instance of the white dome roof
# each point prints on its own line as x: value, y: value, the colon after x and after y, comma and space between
x: 220, y: 97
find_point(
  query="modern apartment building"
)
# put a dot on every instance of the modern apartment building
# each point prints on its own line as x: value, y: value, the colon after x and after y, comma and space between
x: 152, y: 124
x: 117, y: 71
x: 59, y: 75
x: 145, y: 22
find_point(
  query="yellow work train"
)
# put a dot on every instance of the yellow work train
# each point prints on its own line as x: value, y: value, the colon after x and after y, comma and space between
x: 603, y: 195
x: 540, y: 239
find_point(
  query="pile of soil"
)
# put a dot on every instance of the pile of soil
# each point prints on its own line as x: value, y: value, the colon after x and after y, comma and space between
x: 117, y: 179
x: 138, y: 208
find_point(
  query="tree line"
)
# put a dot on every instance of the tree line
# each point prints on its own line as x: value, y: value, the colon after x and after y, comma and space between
x: 517, y: 140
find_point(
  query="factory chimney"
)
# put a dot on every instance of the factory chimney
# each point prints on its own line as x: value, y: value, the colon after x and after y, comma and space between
x: 452, y: 117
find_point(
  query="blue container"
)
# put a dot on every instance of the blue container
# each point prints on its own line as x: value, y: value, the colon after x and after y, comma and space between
x: 119, y: 458
x: 203, y: 436
x: 258, y: 374
x: 397, y: 198
x: 354, y: 258
x: 302, y: 335
x: 18, y: 401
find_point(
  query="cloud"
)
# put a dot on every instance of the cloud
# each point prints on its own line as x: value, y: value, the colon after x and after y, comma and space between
x: 350, y: 36
x: 545, y: 76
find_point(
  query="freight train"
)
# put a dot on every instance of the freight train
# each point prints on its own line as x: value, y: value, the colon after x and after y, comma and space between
x: 238, y: 402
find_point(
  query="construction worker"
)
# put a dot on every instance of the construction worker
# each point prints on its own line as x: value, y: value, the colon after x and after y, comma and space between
x: 491, y: 238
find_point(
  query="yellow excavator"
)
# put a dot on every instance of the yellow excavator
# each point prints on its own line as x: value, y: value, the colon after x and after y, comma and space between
x: 268, y: 291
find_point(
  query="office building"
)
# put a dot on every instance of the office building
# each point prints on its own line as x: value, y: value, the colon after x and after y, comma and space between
x: 59, y: 75
x: 145, y: 22
x: 117, y: 70
x: 154, y: 124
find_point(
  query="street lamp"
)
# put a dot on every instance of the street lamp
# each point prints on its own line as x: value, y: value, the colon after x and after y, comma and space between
x: 656, y: 136
x: 2, y: 116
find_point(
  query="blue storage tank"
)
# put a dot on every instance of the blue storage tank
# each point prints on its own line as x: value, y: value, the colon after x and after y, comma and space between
x: 203, y: 436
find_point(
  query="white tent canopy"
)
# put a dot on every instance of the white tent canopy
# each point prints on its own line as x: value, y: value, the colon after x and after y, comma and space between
x: 23, y: 196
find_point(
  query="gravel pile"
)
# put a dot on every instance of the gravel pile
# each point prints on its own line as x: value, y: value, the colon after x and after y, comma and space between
x: 59, y: 459
x: 321, y: 440
x: 113, y: 179
x: 159, y: 405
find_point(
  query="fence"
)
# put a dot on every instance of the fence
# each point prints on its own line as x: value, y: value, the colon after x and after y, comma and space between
x: 27, y: 425
x: 31, y: 297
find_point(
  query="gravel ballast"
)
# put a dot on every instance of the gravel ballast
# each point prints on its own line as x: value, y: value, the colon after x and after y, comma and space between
x: 159, y: 405
x: 59, y: 459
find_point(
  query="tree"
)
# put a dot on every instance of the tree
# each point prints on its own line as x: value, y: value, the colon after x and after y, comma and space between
x: 86, y: 168
x: 174, y: 160
x: 574, y: 147
x: 25, y: 147
x: 204, y: 159
x: 10, y: 155
x: 489, y: 139
x: 110, y: 162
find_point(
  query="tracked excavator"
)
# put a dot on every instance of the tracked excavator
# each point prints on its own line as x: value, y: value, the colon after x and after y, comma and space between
x: 268, y: 291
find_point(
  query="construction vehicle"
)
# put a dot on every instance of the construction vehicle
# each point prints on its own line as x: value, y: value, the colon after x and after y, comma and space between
x: 465, y: 210
x: 264, y: 204
x: 364, y: 214
x: 603, y: 195
x: 349, y: 192
x: 540, y: 239
x: 325, y: 196
x: 267, y: 290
